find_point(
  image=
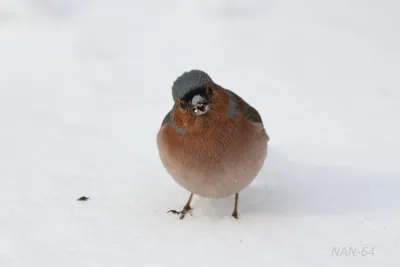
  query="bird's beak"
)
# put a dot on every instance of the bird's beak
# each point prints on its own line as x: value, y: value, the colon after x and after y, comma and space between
x: 200, y: 105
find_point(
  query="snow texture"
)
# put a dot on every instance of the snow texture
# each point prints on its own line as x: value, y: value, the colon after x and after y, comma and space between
x: 200, y: 105
x: 197, y: 99
x: 86, y: 84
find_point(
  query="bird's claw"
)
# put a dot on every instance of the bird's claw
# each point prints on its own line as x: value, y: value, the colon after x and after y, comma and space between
x: 235, y: 215
x: 182, y: 212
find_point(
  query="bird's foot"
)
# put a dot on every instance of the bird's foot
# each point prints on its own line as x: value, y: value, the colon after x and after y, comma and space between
x: 235, y: 215
x: 183, y: 212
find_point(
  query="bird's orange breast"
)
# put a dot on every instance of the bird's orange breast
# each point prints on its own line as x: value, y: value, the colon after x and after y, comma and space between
x: 218, y: 155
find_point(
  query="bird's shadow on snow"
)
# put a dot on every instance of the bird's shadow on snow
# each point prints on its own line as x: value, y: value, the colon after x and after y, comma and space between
x: 284, y: 187
x: 287, y: 188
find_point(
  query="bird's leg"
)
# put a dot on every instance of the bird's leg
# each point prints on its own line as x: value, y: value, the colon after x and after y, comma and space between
x: 185, y: 209
x: 235, y: 213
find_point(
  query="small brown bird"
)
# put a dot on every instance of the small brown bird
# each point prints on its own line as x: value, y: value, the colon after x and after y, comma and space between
x: 212, y: 142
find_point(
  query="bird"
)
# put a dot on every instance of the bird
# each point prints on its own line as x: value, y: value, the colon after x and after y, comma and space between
x: 212, y: 142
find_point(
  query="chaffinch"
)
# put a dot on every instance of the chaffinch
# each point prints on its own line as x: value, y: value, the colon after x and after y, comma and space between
x: 212, y: 142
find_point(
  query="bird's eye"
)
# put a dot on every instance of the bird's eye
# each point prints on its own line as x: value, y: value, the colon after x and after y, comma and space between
x: 181, y: 105
x: 209, y: 91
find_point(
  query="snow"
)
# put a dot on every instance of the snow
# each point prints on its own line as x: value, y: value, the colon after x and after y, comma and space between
x: 200, y: 105
x: 86, y: 84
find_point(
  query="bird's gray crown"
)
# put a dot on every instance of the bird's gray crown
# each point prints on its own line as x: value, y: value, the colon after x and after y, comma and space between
x: 188, y: 81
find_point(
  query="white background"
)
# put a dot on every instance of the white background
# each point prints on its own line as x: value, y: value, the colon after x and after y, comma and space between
x: 85, y: 84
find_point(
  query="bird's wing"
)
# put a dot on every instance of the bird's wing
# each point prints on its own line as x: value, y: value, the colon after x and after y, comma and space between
x: 249, y: 112
x: 238, y: 104
x: 167, y: 118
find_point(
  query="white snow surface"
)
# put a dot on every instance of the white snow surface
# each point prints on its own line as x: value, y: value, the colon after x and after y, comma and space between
x: 85, y: 84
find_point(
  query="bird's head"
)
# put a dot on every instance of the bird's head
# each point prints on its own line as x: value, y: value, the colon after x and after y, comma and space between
x: 193, y: 93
